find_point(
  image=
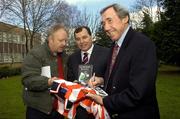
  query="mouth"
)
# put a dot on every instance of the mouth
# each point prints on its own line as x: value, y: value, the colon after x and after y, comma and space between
x: 110, y: 33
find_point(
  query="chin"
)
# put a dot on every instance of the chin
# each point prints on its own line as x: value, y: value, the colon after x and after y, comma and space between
x: 59, y: 51
x: 113, y: 39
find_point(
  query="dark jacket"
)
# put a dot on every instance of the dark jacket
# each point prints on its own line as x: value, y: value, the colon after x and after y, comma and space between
x: 98, y: 59
x: 36, y: 90
x: 131, y: 86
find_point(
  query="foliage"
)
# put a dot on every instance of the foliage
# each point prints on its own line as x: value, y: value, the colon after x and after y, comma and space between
x: 165, y: 32
x: 101, y: 37
x: 4, y: 4
x: 171, y: 37
x: 8, y: 71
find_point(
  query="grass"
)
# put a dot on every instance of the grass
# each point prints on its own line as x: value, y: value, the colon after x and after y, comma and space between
x: 168, y: 94
x: 11, y: 105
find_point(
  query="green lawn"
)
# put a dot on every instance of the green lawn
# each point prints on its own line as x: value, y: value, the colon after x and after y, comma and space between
x: 11, y: 105
x: 168, y: 94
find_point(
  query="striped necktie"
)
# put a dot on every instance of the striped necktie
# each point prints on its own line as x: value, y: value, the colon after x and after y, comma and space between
x: 85, y: 58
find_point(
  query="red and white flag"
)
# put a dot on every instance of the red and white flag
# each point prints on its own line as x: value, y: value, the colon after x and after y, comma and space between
x: 70, y: 95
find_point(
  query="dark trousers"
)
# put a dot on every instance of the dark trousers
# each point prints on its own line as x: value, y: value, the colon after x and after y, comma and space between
x: 32, y: 113
x: 81, y: 113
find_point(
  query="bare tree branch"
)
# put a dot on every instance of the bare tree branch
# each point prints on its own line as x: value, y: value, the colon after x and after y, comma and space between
x: 34, y: 15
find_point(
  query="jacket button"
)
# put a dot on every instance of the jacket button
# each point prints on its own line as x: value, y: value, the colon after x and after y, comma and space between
x: 114, y: 87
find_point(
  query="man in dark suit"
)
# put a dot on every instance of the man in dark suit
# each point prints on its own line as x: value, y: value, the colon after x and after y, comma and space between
x: 96, y: 56
x: 131, y: 71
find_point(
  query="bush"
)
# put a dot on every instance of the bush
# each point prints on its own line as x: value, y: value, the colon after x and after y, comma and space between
x: 8, y: 71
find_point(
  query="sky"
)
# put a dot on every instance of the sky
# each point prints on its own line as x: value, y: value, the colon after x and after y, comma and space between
x: 94, y: 6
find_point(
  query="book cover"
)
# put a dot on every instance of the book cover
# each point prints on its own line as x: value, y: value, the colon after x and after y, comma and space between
x: 85, y: 73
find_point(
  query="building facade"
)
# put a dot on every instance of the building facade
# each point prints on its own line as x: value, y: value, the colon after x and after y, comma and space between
x: 12, y: 43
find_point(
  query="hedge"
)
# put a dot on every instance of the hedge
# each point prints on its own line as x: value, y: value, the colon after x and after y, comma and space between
x: 9, y: 71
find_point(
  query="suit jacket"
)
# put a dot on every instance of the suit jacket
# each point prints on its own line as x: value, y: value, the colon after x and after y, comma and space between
x: 98, y: 59
x: 131, y: 85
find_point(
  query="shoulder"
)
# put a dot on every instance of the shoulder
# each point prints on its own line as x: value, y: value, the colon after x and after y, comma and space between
x: 75, y: 54
x: 101, y: 48
x: 38, y: 50
x: 141, y: 40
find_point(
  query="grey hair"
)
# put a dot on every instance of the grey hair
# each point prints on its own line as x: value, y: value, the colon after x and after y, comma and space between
x: 120, y: 11
x: 55, y: 28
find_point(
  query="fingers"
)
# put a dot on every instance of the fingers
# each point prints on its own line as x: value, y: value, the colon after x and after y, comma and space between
x: 50, y: 80
x: 95, y: 81
x: 96, y: 98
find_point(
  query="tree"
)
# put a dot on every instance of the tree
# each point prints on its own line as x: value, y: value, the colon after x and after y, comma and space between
x: 145, y: 5
x: 171, y: 21
x: 4, y: 4
x: 34, y: 15
x: 81, y: 18
x: 165, y: 32
x: 141, y: 8
x: 147, y: 23
x: 102, y: 38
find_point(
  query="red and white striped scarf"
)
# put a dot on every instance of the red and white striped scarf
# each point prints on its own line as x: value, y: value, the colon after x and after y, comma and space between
x: 74, y: 95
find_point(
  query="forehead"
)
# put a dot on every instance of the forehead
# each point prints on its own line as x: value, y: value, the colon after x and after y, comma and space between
x: 109, y: 13
x: 60, y: 32
x: 83, y: 32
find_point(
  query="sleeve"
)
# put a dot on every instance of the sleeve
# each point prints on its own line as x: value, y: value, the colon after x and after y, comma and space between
x: 141, y: 84
x: 31, y: 74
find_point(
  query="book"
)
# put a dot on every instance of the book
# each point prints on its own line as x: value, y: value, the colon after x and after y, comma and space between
x: 84, y: 73
x: 100, y: 92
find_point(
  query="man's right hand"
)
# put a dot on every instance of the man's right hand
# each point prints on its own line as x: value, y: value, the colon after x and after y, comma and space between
x: 50, y: 80
x: 95, y: 81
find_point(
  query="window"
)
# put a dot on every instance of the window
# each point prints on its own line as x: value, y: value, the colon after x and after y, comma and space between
x: 1, y: 35
x: 1, y: 57
x: 14, y: 38
x: 9, y: 57
x: 5, y: 57
x: 23, y: 40
x: 4, y: 37
x: 18, y: 39
x: 9, y: 38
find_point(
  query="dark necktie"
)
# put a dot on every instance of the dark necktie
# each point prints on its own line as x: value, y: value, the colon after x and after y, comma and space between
x: 108, y: 86
x: 85, y: 58
x: 113, y: 58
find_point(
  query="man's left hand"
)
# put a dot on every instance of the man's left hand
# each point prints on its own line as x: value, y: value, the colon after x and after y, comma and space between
x: 98, y: 99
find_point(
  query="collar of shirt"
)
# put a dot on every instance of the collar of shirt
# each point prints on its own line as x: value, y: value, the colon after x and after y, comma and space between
x: 120, y: 41
x: 89, y: 52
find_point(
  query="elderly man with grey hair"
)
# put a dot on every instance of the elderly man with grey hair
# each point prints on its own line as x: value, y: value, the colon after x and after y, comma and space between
x: 41, y: 66
x: 131, y: 71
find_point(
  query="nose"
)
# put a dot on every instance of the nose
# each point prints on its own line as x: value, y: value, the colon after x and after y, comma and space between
x: 81, y: 40
x: 106, y: 27
x: 64, y: 43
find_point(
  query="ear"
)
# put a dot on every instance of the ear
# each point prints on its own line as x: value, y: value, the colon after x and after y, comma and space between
x: 125, y: 20
x: 50, y: 38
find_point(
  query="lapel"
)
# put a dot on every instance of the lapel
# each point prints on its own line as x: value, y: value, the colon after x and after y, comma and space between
x: 93, y: 55
x: 78, y: 57
x: 122, y: 51
x: 64, y: 59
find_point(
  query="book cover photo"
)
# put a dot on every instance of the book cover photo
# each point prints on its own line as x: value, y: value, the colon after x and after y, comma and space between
x: 85, y: 73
